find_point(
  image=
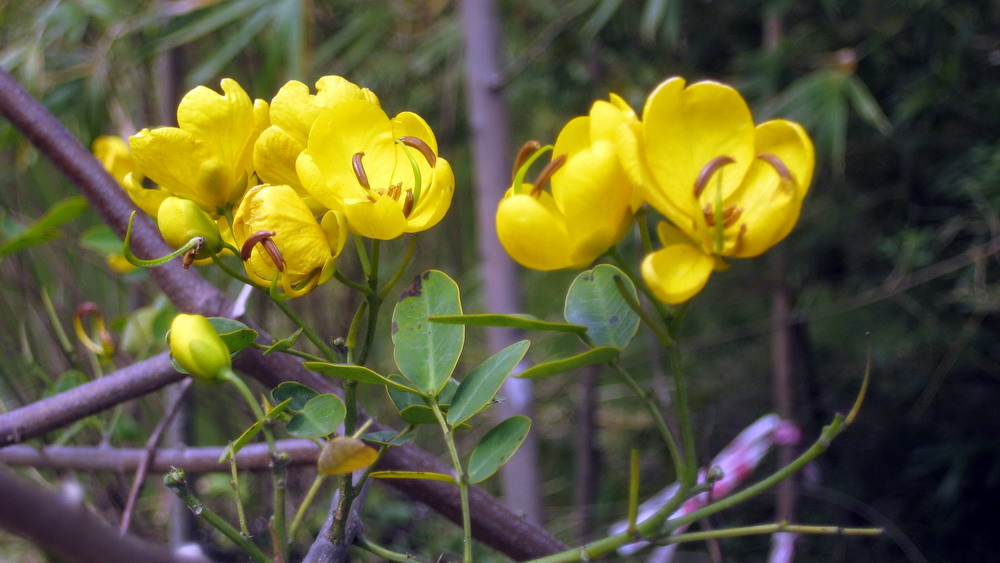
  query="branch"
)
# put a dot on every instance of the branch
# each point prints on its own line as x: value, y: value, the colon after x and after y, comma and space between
x: 493, y: 523
x: 69, y: 530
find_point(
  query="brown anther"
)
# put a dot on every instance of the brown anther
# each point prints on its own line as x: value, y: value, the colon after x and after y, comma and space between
x: 730, y: 215
x: 252, y: 241
x: 777, y: 164
x: 408, y: 203
x: 274, y: 253
x: 738, y: 247
x: 191, y: 255
x: 359, y: 170
x: 527, y: 149
x: 395, y: 190
x: 421, y: 146
x: 546, y: 174
x: 706, y: 173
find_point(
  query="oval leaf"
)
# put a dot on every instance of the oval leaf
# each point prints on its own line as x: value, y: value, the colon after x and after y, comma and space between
x: 320, y: 416
x: 298, y: 393
x: 235, y: 334
x: 357, y: 373
x: 479, y: 387
x: 497, y: 446
x: 593, y: 356
x: 595, y: 302
x: 343, y: 455
x: 427, y: 352
x: 426, y: 475
x: 523, y: 322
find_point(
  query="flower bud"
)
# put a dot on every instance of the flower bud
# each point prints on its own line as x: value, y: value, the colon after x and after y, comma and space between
x: 198, y: 348
x: 180, y: 220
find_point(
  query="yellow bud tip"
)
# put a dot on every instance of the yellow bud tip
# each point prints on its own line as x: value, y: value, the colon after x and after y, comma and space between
x: 706, y: 173
x: 359, y: 170
x: 421, y: 146
x: 547, y: 173
x: 527, y: 149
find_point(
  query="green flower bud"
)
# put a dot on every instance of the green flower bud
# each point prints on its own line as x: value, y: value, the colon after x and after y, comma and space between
x: 180, y: 220
x: 198, y: 348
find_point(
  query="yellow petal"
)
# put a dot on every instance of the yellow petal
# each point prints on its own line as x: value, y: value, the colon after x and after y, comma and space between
x: 533, y: 231
x: 274, y: 156
x: 410, y: 124
x: 771, y: 204
x: 171, y: 157
x: 225, y: 123
x: 435, y: 199
x: 573, y: 138
x: 146, y: 199
x: 337, y: 135
x: 381, y: 220
x: 677, y: 272
x: 114, y: 155
x: 334, y: 225
x: 607, y: 117
x: 686, y: 129
x: 295, y: 109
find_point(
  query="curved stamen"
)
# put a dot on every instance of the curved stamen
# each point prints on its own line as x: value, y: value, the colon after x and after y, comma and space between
x: 252, y: 241
x: 777, y: 164
x: 408, y: 203
x: 547, y: 173
x: 527, y: 149
x: 706, y: 173
x: 421, y: 146
x: 264, y: 239
x: 359, y: 170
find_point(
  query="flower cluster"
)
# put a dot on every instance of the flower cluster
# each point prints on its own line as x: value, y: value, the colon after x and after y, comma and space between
x: 282, y: 183
x: 726, y: 188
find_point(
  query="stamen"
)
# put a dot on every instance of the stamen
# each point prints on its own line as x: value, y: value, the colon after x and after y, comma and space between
x: 359, y: 170
x: 738, y: 247
x: 778, y: 164
x: 421, y: 146
x: 706, y: 173
x: 526, y: 150
x: 252, y: 241
x: 729, y: 215
x: 408, y: 203
x: 272, y: 250
x: 547, y: 173
x: 395, y: 190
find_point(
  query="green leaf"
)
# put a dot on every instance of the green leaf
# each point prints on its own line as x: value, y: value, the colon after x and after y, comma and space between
x: 320, y: 416
x: 426, y: 475
x: 388, y: 437
x: 594, y: 301
x: 427, y: 352
x: 497, y: 446
x: 480, y: 386
x: 598, y: 355
x: 358, y: 373
x: 235, y: 334
x: 523, y: 322
x: 45, y: 228
x: 413, y: 408
x: 864, y: 103
x: 293, y: 391
x: 102, y: 240
x: 254, y: 429
x: 284, y: 343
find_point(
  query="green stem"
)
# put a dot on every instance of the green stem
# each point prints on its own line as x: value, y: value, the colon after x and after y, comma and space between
x: 653, y: 526
x: 463, y: 482
x: 230, y: 271
x: 770, y: 529
x: 292, y: 352
x: 644, y: 315
x: 234, y: 483
x: 175, y: 481
x: 279, y: 463
x: 384, y: 553
x: 307, y: 330
x: 641, y: 219
x: 654, y: 410
x: 351, y: 283
x: 306, y: 503
x: 690, y: 474
x: 410, y: 247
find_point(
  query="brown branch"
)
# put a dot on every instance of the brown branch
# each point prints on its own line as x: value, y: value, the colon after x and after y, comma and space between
x: 493, y: 523
x: 66, y: 528
x: 253, y: 457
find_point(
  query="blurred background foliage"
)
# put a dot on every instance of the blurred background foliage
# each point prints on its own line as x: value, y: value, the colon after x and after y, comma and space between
x: 901, y: 96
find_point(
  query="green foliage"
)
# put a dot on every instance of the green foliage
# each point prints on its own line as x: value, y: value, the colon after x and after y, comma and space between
x: 497, y: 447
x: 595, y: 302
x: 320, y: 416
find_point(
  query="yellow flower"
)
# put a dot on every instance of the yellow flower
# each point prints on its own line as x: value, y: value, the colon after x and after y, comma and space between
x: 292, y: 113
x: 384, y: 175
x: 208, y: 159
x: 729, y: 189
x: 279, y: 236
x: 198, y: 348
x: 589, y: 208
